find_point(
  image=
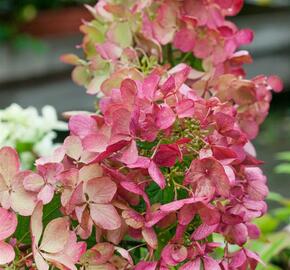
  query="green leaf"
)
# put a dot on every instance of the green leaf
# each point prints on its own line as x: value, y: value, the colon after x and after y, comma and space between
x: 268, y: 250
x: 163, y: 239
x: 23, y: 229
x: 283, y: 168
x: 267, y: 224
x: 284, y: 156
x: 154, y: 193
x: 282, y: 214
x: 50, y: 212
x: 276, y: 197
x: 167, y: 194
x: 146, y: 145
x: 24, y: 147
x: 273, y: 267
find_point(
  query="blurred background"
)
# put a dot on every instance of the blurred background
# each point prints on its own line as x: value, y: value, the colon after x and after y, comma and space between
x: 34, y: 33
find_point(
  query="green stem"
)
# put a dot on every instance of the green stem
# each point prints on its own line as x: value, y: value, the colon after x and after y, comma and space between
x: 169, y: 55
x: 18, y: 263
x: 141, y: 245
x: 185, y: 57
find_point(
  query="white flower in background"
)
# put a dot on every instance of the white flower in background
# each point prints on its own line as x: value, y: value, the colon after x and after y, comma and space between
x: 31, y: 133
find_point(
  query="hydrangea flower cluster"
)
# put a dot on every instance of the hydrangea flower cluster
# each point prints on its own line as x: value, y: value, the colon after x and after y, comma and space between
x: 163, y: 176
x: 31, y: 133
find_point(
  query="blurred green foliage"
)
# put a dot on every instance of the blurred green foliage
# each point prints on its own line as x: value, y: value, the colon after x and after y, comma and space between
x: 274, y: 244
x: 284, y: 167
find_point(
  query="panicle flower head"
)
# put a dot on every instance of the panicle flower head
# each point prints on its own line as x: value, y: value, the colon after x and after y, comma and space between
x: 166, y: 164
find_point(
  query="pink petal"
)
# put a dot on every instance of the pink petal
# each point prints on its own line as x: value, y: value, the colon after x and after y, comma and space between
x: 257, y: 190
x: 209, y: 215
x: 116, y: 236
x: 3, y: 184
x: 9, y: 163
x: 174, y: 254
x: 223, y: 153
x: 165, y: 117
x: 101, y: 190
x: 253, y: 231
x: 46, y: 194
x: 33, y: 182
x: 77, y: 198
x: 155, y: 217
x: 133, y: 218
x: 60, y: 258
x: 150, y: 237
x: 156, y: 175
x: 109, y: 50
x: 168, y: 85
x: 134, y: 188
x: 121, y: 122
x: 5, y: 200
x: 209, y: 169
x: 82, y: 125
x: 192, y: 265
x: 73, y: 248
x: 91, y: 171
x: 254, y: 256
x: 244, y: 36
x: 130, y: 155
x: 50, y: 171
x: 179, y: 254
x: 22, y: 201
x: 142, y: 162
x: 110, y: 149
x: 73, y: 147
x: 125, y: 254
x: 210, y: 264
x: 185, y: 108
x: 36, y: 226
x: 172, y: 206
x: 150, y: 86
x: 184, y: 40
x: 56, y: 157
x: 186, y: 214
x: 7, y: 253
x: 105, y: 216
x: 238, y: 259
x: 203, y: 231
x: 231, y: 219
x: 55, y: 235
x: 128, y: 90
x: 276, y: 83
x: 146, y: 266
x: 8, y: 223
x: 176, y: 205
x: 180, y: 73
x: 104, y: 252
x: 239, y: 234
x: 96, y: 142
x: 40, y: 262
x: 167, y: 155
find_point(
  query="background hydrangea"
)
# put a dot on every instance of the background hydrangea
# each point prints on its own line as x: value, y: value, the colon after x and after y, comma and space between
x: 31, y: 133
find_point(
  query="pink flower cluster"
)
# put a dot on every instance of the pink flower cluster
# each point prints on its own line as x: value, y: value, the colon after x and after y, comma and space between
x: 164, y: 175
x: 131, y: 38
